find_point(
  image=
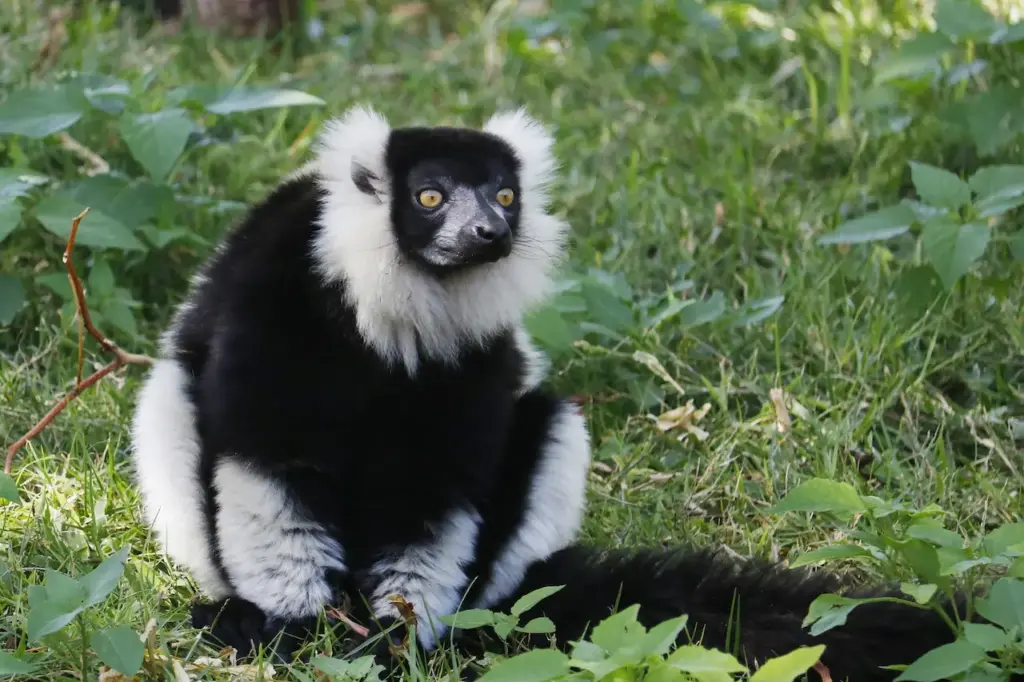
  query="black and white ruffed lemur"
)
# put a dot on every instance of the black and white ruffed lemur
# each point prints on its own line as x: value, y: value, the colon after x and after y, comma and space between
x: 347, y: 402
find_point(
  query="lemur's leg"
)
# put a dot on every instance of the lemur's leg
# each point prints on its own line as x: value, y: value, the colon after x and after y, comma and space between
x: 280, y: 564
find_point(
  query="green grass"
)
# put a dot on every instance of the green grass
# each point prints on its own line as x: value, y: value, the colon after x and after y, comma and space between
x: 700, y: 155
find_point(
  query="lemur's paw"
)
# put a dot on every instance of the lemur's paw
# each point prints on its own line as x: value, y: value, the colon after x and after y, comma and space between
x: 240, y: 624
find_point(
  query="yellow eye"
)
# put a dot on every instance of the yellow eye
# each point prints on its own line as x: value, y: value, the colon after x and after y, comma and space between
x: 430, y: 198
x: 505, y: 197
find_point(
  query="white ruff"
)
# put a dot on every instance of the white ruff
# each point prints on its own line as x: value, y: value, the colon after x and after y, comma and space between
x: 554, y: 505
x: 396, y: 302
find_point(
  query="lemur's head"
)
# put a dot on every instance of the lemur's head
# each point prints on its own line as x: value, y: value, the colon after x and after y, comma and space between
x: 440, y: 234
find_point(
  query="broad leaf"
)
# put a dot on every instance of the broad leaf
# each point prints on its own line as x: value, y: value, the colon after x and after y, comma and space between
x: 662, y: 637
x: 829, y: 553
x: 923, y: 558
x: 943, y: 663
x: 934, y: 532
x: 14, y: 184
x: 920, y: 593
x: 999, y: 180
x: 703, y: 311
x: 10, y: 665
x: 120, y: 648
x: 758, y: 310
x: 939, y: 187
x: 97, y: 230
x: 988, y: 637
x: 619, y: 630
x: 53, y: 604
x: 605, y: 307
x: 157, y: 140
x: 829, y: 611
x: 962, y: 18
x: 537, y: 626
x: 550, y: 329
x: 1004, y: 604
x: 41, y: 112
x: 8, y: 488
x: 696, y: 659
x: 537, y: 665
x: 468, y: 619
x: 790, y: 666
x: 242, y: 99
x: 875, y: 226
x: 1017, y: 245
x: 1004, y: 537
x: 102, y: 580
x: 952, y: 249
x: 531, y: 599
x: 915, y: 57
x: 822, y: 495
x: 12, y: 297
x: 129, y: 203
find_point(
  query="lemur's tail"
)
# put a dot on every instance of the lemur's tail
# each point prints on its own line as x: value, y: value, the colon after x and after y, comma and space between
x: 765, y: 604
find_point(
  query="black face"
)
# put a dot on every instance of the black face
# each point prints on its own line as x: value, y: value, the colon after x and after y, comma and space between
x: 455, y: 197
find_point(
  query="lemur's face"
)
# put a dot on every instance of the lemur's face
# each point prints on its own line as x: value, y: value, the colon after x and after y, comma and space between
x: 455, y: 197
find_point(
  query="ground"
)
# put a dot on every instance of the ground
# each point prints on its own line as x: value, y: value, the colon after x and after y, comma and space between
x: 705, y: 152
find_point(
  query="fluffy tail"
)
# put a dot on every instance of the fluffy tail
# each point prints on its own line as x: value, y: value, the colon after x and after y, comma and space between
x: 757, y: 605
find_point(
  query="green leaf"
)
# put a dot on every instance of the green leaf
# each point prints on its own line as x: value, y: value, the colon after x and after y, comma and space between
x: 241, y: 99
x: 661, y: 638
x: 923, y: 558
x: 696, y: 659
x: 790, y: 666
x: 101, y: 279
x: 468, y: 619
x: 53, y: 604
x: 822, y: 495
x: 944, y: 662
x: 102, y: 580
x: 10, y: 665
x: 334, y: 667
x: 537, y: 626
x: 12, y: 297
x: 920, y: 593
x: 952, y: 249
x: 1004, y: 537
x: 963, y: 18
x: 130, y: 203
x: 1017, y: 245
x: 120, y: 648
x: 41, y: 112
x: 915, y: 57
x: 550, y: 329
x: 504, y: 624
x: 988, y: 637
x: 1004, y: 604
x: 157, y: 140
x: 57, y: 282
x: 704, y: 311
x: 537, y: 665
x: 939, y: 187
x: 829, y: 553
x: 999, y: 180
x: 619, y: 630
x: 757, y: 310
x: 605, y: 308
x: 875, y: 226
x: 531, y: 599
x: 14, y: 184
x: 934, y: 533
x: 97, y: 230
x: 829, y: 611
x: 8, y: 488
x: 119, y: 314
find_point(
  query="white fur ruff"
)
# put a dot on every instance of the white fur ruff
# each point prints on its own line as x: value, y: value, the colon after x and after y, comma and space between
x: 554, y: 506
x: 430, y: 575
x: 396, y: 302
x: 275, y: 557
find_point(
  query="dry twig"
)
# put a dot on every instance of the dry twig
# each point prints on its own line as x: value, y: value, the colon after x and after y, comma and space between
x: 121, y: 357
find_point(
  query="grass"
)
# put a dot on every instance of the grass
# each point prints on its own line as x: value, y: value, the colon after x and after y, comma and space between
x: 701, y: 155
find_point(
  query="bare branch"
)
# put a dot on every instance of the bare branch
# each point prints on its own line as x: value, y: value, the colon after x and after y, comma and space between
x: 121, y: 357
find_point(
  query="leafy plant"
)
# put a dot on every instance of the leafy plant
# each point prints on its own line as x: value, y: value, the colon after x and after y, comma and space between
x: 902, y: 541
x: 956, y: 219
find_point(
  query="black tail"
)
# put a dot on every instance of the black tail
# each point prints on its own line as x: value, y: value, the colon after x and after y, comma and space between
x: 757, y: 605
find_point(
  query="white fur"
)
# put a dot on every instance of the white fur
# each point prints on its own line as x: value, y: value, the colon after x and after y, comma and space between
x: 395, y: 303
x: 535, y: 362
x: 273, y: 554
x: 430, y: 575
x: 166, y: 460
x: 554, y: 506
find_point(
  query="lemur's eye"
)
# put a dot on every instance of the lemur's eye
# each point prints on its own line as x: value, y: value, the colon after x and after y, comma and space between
x: 430, y: 198
x: 505, y: 197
